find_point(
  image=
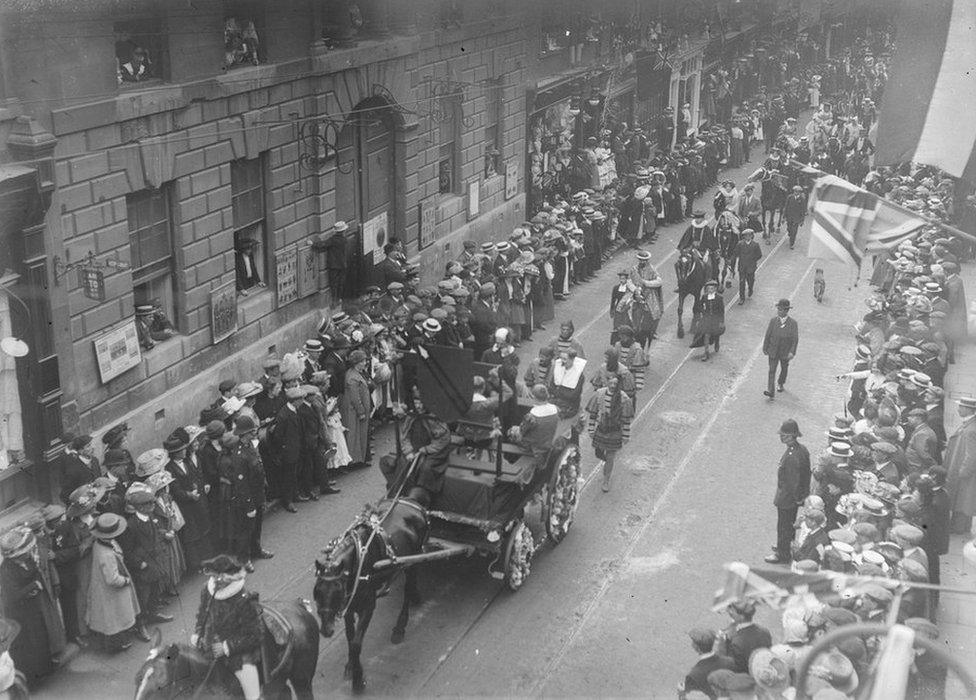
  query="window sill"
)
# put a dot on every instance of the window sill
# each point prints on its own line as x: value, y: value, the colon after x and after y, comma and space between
x: 162, y: 346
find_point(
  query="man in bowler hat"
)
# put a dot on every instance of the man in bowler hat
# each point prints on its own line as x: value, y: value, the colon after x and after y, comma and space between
x: 779, y: 345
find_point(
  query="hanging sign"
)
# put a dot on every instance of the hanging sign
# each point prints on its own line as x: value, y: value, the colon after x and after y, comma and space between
x: 92, y: 282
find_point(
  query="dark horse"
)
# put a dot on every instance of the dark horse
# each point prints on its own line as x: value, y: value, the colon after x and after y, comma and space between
x: 181, y: 670
x: 727, y: 232
x: 772, y: 196
x: 347, y: 584
x: 692, y: 271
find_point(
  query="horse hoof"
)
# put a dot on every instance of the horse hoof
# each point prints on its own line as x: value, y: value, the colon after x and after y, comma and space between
x: 359, y: 687
x: 681, y: 333
x: 397, y: 636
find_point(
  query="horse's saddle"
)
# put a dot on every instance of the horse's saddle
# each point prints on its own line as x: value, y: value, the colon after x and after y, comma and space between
x: 277, y: 643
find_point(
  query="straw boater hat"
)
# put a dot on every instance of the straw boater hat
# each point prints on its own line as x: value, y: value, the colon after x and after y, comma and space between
x: 108, y: 526
x: 17, y: 542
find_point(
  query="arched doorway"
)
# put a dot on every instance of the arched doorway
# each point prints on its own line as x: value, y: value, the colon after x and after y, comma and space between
x: 365, y: 188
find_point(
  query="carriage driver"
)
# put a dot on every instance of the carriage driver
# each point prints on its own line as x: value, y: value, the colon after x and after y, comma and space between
x: 228, y: 629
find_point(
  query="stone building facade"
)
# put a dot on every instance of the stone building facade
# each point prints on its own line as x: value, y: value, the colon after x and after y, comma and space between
x: 413, y: 128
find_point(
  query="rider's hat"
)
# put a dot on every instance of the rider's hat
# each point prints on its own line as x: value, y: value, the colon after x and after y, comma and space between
x: 643, y: 255
x: 223, y: 565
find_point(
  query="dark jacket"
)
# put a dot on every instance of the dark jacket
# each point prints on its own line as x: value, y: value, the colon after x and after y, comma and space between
x: 796, y: 208
x: 793, y: 477
x: 187, y: 479
x: 748, y: 254
x: 287, y: 436
x: 234, y: 621
x: 812, y: 545
x: 142, y: 543
x: 742, y: 642
x: 697, y: 678
x: 77, y: 473
x: 781, y: 340
x: 934, y: 522
x: 387, y: 271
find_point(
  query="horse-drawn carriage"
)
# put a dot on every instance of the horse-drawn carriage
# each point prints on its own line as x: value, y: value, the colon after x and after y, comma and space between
x: 496, y: 500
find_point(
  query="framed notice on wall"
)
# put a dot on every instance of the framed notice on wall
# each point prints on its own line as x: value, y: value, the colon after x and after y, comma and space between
x: 511, y: 179
x: 308, y: 272
x: 428, y: 221
x: 223, y: 311
x: 117, y: 351
x: 474, y: 198
x: 286, y: 274
x: 376, y: 234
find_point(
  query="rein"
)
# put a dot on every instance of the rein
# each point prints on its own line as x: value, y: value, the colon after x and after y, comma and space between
x: 352, y: 532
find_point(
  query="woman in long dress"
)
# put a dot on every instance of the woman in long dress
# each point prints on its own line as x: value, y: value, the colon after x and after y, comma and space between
x: 356, y: 408
x: 710, y: 315
x: 174, y: 521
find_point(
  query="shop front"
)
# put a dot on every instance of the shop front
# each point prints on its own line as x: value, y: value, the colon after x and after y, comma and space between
x: 30, y: 391
x: 685, y: 90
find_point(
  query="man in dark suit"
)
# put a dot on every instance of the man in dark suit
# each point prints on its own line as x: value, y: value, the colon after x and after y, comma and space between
x: 288, y: 444
x: 253, y: 493
x: 813, y: 545
x: 80, y: 466
x: 779, y: 345
x: 484, y: 320
x: 743, y: 637
x: 748, y: 254
x: 703, y: 642
x: 792, y: 486
x: 795, y: 211
x: 389, y: 269
x: 143, y: 544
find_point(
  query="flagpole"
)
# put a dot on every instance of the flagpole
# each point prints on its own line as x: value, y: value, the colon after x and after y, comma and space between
x: 893, y: 205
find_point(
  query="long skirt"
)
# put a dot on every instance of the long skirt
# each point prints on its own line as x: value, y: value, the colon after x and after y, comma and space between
x: 545, y: 308
x: 175, y: 563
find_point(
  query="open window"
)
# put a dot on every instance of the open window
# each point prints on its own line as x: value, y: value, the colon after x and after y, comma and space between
x: 141, y: 54
x: 250, y: 233
x: 151, y: 250
x: 243, y: 32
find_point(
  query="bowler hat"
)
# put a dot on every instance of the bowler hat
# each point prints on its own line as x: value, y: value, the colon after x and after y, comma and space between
x: 783, y: 304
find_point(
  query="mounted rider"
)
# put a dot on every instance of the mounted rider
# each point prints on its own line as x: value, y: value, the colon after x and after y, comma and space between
x: 228, y: 628
x: 700, y: 239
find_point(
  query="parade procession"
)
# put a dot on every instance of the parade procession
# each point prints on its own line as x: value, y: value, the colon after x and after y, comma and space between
x: 417, y: 348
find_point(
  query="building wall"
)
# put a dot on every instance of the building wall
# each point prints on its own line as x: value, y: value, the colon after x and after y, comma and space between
x: 183, y: 136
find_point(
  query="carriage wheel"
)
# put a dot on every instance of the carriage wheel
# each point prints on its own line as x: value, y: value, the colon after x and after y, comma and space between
x: 518, y: 555
x: 563, y: 496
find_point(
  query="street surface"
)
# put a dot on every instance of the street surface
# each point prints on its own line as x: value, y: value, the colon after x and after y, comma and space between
x: 606, y: 612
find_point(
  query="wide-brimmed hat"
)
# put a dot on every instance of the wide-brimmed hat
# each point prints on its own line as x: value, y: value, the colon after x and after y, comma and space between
x: 150, y: 462
x: 160, y: 480
x: 139, y: 493
x: 17, y: 542
x: 770, y: 672
x: 223, y: 565
x: 83, y: 500
x: 246, y: 390
x: 108, y: 526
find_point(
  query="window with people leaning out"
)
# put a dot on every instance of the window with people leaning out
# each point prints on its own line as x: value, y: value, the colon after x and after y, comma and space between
x: 151, y: 251
x: 140, y: 51
x: 243, y: 28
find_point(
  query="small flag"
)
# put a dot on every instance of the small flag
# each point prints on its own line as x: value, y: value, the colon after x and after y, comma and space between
x: 931, y: 85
